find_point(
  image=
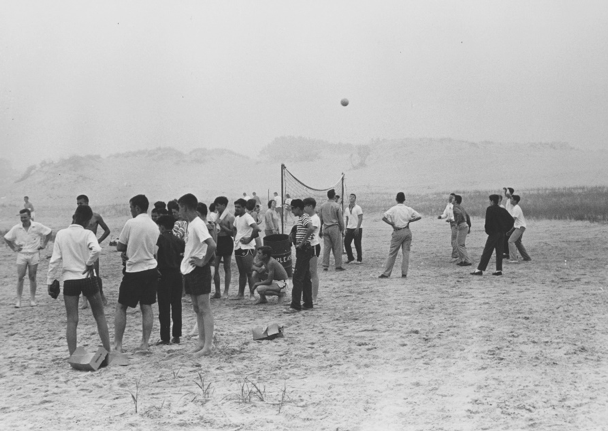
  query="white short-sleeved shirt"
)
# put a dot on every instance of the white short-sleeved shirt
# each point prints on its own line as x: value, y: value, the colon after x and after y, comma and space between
x: 140, y: 235
x: 196, y: 246
x: 75, y: 248
x: 518, y: 217
x: 243, y: 229
x: 30, y: 239
x: 278, y: 200
x: 316, y: 223
x: 353, y: 217
x: 401, y: 215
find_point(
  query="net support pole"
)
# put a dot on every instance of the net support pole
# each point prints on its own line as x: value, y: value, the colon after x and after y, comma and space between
x: 282, y: 198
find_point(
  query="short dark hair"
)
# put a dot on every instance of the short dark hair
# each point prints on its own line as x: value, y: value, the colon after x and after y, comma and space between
x: 516, y: 197
x: 83, y: 197
x: 221, y: 200
x: 160, y: 204
x: 202, y: 209
x: 458, y: 199
x: 511, y: 190
x: 241, y: 202
x: 26, y: 210
x: 173, y: 205
x: 494, y: 199
x: 83, y: 213
x: 140, y: 201
x: 452, y: 194
x: 154, y: 210
x: 166, y: 221
x: 212, y: 207
x: 270, y: 203
x: 251, y: 203
x: 331, y: 193
x: 189, y: 201
x: 352, y: 194
x: 162, y: 211
x: 400, y: 197
x: 266, y: 251
x: 310, y: 201
x: 298, y: 203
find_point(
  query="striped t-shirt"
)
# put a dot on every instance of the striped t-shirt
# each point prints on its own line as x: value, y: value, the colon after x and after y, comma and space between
x: 302, y: 225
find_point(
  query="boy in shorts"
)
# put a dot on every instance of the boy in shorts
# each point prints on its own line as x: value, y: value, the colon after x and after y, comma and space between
x: 196, y: 269
x: 74, y: 254
x: 139, y: 283
x: 275, y: 282
x: 225, y: 245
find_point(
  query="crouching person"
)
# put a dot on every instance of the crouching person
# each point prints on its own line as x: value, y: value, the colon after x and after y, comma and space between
x: 275, y: 283
x: 74, y: 254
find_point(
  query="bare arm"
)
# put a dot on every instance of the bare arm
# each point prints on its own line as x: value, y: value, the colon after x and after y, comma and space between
x: 46, y: 240
x: 12, y: 246
x: 104, y: 226
x: 211, y: 246
x: 269, y: 279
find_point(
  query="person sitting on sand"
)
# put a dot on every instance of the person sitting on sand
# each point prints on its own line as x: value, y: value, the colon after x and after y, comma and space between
x: 275, y: 282
x: 196, y: 269
x: 74, y: 254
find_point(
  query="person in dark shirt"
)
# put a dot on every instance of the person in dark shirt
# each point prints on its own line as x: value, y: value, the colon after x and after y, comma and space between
x: 169, y: 257
x: 498, y: 222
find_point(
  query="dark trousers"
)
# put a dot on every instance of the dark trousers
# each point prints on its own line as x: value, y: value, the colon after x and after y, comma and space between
x: 505, y: 247
x: 302, y: 284
x: 496, y: 241
x: 170, y: 303
x: 348, y: 239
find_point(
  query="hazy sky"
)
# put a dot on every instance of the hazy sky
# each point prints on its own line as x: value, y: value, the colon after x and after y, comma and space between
x: 105, y: 77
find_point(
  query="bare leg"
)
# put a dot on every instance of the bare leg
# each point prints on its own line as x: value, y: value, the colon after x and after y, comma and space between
x: 100, y: 318
x: 200, y: 327
x: 85, y: 303
x: 71, y: 308
x: 147, y: 321
x: 227, y: 274
x: 31, y: 272
x: 216, y: 277
x: 120, y: 322
x: 21, y: 270
x: 204, y: 316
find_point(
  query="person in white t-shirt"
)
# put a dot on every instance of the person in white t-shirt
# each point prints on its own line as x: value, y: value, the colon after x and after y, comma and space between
x: 448, y: 215
x: 517, y: 233
x: 140, y: 280
x: 246, y: 231
x: 309, y: 208
x: 196, y: 268
x: 27, y: 239
x: 74, y: 255
x: 353, y: 216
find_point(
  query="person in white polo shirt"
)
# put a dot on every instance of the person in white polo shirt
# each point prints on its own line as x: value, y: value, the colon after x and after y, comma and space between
x: 27, y: 239
x: 354, y: 229
x: 74, y: 255
x: 519, y: 227
x: 245, y: 232
x: 399, y: 218
x: 138, y: 239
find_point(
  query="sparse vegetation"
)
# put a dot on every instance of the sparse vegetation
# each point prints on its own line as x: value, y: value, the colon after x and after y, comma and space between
x: 135, y: 396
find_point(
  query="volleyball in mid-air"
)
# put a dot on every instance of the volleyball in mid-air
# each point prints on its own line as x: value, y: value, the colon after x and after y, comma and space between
x: 344, y: 102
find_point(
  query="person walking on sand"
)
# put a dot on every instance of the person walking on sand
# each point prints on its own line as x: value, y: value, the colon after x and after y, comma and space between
x: 463, y: 227
x: 140, y: 280
x: 332, y: 227
x: 74, y: 254
x: 498, y: 221
x: 517, y: 232
x: 196, y: 269
x: 96, y: 221
x: 448, y: 215
x: 399, y: 218
x: 27, y: 239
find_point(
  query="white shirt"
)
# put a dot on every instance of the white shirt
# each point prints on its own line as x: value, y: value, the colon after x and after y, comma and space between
x: 518, y: 217
x: 30, y: 239
x: 400, y: 215
x: 316, y: 223
x: 75, y: 248
x: 353, y: 216
x: 448, y: 212
x: 243, y: 229
x: 509, y: 206
x: 140, y: 235
x: 196, y: 246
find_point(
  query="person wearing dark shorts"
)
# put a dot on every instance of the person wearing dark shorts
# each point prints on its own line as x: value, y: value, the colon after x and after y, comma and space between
x: 138, y: 239
x: 169, y: 257
x: 245, y: 231
x: 225, y: 246
x: 74, y: 254
x: 196, y: 269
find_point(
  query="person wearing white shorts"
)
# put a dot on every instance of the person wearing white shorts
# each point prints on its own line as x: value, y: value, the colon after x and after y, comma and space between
x: 27, y: 239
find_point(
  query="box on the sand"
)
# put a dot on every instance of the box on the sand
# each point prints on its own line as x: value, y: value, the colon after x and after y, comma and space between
x: 270, y: 332
x: 85, y: 361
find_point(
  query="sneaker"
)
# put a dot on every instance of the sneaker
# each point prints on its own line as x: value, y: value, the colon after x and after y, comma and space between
x: 497, y: 273
x: 357, y: 262
x: 477, y: 272
x: 175, y: 340
x: 340, y: 269
x: 348, y: 262
x: 383, y: 276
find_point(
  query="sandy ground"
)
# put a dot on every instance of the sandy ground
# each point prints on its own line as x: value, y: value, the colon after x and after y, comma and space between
x: 439, y: 351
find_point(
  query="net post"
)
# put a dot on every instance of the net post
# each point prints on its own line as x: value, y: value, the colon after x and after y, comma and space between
x: 282, y: 198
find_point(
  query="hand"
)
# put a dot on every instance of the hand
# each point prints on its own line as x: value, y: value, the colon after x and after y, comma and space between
x: 246, y: 240
x: 196, y: 261
x: 89, y: 271
x: 18, y: 248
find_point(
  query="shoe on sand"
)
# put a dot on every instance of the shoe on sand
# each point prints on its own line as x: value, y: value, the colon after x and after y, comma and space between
x: 497, y: 273
x: 383, y: 276
x: 477, y: 272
